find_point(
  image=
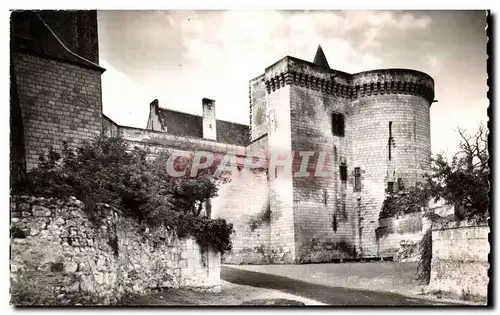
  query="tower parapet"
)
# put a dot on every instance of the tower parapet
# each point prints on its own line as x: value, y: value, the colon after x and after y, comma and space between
x: 393, y: 81
x: 293, y: 71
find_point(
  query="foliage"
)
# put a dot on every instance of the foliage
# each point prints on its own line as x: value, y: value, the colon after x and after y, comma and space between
x: 463, y: 181
x: 135, y: 180
x: 263, y: 217
x: 207, y: 232
x: 424, y: 263
x: 408, y: 200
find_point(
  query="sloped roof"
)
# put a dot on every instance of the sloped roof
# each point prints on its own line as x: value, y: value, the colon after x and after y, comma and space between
x: 187, y: 125
x: 232, y: 133
x: 31, y: 33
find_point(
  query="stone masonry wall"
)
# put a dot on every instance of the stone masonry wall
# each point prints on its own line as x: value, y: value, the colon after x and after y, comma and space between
x: 281, y: 187
x: 59, y: 102
x: 410, y: 129
x: 109, y: 127
x: 244, y: 202
x: 150, y: 138
x: 324, y: 228
x: 407, y: 228
x: 460, y: 258
x: 57, y: 249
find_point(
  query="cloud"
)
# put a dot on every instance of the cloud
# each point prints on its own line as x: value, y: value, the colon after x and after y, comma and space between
x: 124, y: 101
x: 184, y: 56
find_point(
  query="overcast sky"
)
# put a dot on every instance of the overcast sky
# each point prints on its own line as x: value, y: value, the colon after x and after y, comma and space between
x: 179, y: 57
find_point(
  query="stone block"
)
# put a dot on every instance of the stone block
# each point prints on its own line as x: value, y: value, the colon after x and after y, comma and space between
x: 187, y: 254
x: 70, y: 266
x: 40, y: 211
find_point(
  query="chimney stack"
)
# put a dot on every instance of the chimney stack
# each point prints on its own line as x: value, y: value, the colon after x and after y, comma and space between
x: 209, y: 121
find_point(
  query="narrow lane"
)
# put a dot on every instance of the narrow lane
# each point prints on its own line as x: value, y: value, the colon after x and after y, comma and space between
x: 320, y: 292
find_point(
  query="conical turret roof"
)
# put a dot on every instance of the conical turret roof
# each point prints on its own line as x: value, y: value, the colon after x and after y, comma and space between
x: 320, y: 58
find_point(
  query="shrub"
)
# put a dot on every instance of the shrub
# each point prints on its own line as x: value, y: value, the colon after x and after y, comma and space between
x: 108, y: 171
x: 409, y: 200
x: 424, y: 263
x: 464, y: 181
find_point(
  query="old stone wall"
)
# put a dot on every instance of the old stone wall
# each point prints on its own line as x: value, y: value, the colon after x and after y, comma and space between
x: 409, y: 146
x: 56, y: 247
x: 280, y: 180
x: 109, y: 127
x: 244, y: 202
x: 59, y: 101
x: 324, y: 227
x: 150, y: 138
x: 460, y: 258
x: 398, y: 232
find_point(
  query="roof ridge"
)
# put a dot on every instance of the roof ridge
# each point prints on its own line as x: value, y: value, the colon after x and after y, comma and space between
x: 201, y: 116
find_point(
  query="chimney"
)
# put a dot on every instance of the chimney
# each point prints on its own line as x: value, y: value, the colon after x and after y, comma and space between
x: 209, y: 121
x: 154, y: 122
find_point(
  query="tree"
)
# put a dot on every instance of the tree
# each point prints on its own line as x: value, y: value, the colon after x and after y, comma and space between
x: 463, y: 181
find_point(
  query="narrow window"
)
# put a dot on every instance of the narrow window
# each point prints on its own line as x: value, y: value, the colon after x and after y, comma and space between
x: 338, y: 124
x: 390, y: 187
x: 325, y: 196
x: 389, y: 143
x: 357, y: 179
x: 401, y: 185
x: 343, y: 172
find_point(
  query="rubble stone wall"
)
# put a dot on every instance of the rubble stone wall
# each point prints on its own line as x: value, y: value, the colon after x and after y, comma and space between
x: 460, y: 258
x: 107, y: 257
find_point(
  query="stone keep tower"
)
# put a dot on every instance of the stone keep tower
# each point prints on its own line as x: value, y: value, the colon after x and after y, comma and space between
x: 374, y: 131
x: 56, y: 80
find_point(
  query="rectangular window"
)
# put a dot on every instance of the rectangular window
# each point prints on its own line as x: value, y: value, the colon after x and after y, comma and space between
x: 338, y: 124
x: 343, y: 172
x: 390, y: 187
x: 325, y: 196
x: 357, y: 179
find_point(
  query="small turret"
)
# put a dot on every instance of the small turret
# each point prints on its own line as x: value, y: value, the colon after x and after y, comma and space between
x: 320, y: 58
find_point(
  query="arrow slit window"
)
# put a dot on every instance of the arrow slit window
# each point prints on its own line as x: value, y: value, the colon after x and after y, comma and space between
x: 357, y: 179
x: 390, y: 140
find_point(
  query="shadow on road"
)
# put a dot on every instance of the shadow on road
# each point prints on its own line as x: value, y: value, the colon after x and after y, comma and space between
x: 322, y: 293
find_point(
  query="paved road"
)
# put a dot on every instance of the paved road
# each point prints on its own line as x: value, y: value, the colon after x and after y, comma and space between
x: 326, y: 294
